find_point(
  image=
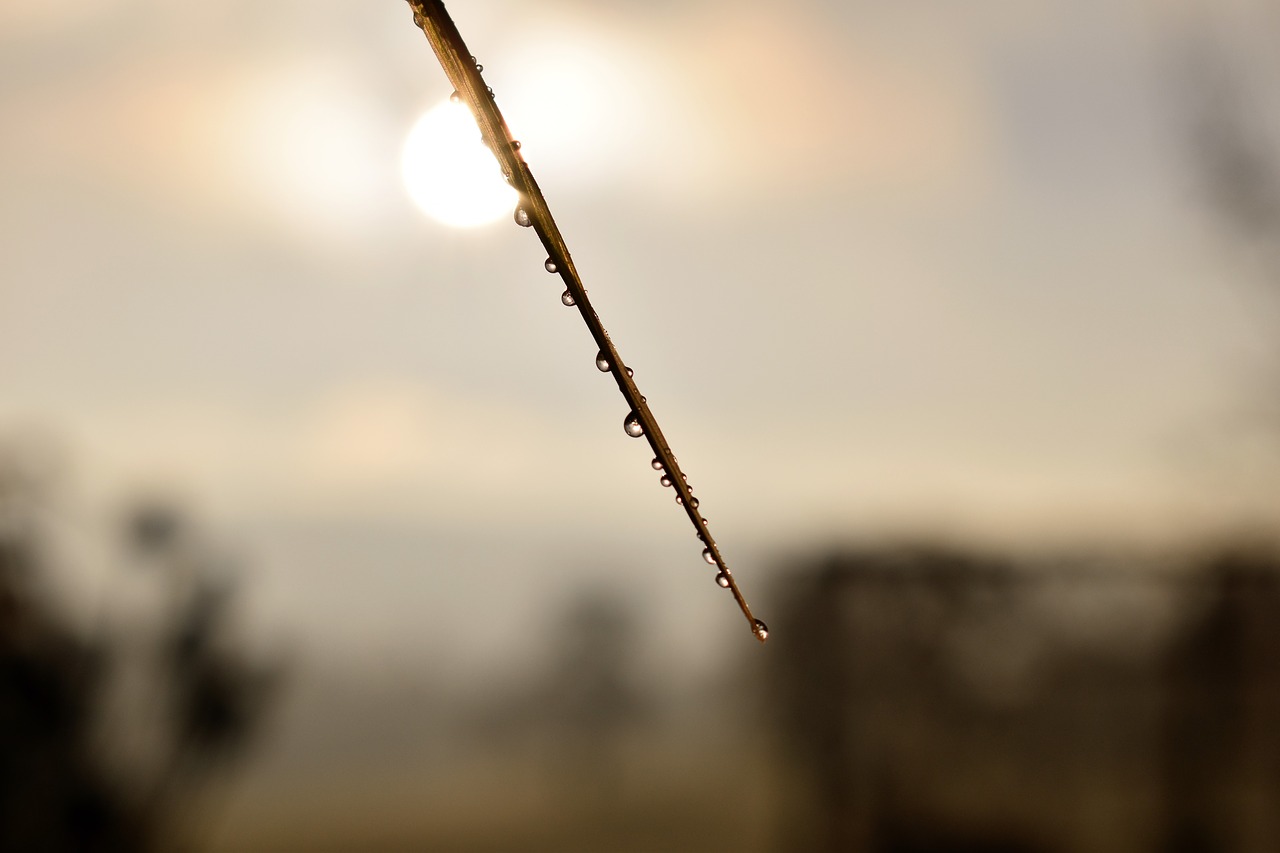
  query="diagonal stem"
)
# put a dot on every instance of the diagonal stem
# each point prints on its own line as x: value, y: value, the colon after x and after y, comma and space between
x: 459, y: 65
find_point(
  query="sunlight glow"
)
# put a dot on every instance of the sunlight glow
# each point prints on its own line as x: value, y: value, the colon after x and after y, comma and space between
x: 579, y: 104
x: 449, y: 173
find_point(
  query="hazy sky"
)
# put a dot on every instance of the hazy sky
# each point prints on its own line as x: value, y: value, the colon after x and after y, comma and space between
x: 916, y: 265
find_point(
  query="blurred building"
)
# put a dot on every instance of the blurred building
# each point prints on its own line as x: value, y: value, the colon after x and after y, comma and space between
x: 931, y: 701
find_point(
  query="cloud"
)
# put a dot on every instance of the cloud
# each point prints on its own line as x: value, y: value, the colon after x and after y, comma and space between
x: 792, y: 108
x: 384, y: 449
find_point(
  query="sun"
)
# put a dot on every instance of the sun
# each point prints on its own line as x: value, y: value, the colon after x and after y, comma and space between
x: 449, y: 173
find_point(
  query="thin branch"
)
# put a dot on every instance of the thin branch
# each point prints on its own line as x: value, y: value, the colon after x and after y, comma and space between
x: 465, y: 75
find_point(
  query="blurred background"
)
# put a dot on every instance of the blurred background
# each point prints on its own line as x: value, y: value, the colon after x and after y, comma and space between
x: 319, y: 530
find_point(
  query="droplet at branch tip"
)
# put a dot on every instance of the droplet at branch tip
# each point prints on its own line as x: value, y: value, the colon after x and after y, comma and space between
x: 464, y: 72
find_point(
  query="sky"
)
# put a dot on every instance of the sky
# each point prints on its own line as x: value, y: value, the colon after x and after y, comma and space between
x: 880, y: 269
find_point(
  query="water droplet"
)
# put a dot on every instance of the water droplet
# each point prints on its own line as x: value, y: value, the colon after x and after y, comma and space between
x: 657, y: 464
x: 489, y: 89
x: 456, y: 97
x: 680, y: 500
x: 723, y: 580
x: 550, y: 266
x: 479, y: 67
x: 665, y: 480
x: 693, y: 502
x: 632, y: 425
x: 567, y: 298
x: 602, y: 362
x: 708, y: 556
x: 522, y: 217
x: 473, y: 60
x: 630, y: 372
x: 761, y: 630
x: 515, y: 143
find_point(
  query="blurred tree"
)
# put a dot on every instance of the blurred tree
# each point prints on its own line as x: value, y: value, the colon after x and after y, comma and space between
x: 53, y: 795
x: 58, y: 791
x: 591, y: 690
x: 1235, y: 155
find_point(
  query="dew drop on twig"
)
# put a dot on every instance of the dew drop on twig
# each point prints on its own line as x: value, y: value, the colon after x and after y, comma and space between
x: 567, y: 298
x: 632, y: 425
x: 665, y: 480
x: 630, y: 372
x: 602, y: 362
x: 456, y: 97
x: 522, y: 217
x: 708, y: 556
x: 550, y: 266
x: 761, y: 629
x: 723, y: 580
x: 693, y: 502
x: 479, y: 67
x: 515, y: 144
x: 657, y: 464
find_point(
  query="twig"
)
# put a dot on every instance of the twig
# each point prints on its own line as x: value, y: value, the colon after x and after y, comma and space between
x: 470, y: 88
